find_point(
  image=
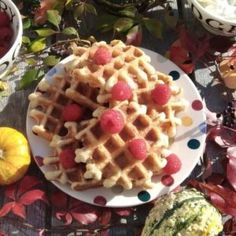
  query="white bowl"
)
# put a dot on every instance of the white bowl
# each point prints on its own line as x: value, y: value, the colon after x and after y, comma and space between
x: 16, y: 23
x: 213, y: 23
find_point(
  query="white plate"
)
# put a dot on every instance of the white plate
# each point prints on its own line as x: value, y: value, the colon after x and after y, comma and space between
x: 188, y: 144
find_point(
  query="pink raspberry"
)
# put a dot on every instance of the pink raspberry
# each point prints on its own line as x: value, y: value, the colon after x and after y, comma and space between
x: 102, y: 56
x: 138, y: 148
x: 72, y: 112
x: 173, y: 164
x: 6, y: 34
x: 161, y: 94
x: 112, y: 121
x: 67, y: 158
x: 121, y: 91
x: 4, y: 19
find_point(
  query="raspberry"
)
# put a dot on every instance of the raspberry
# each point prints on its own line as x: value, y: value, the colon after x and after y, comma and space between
x: 138, y: 148
x: 72, y: 112
x: 112, y: 121
x: 4, y: 19
x: 6, y: 34
x: 67, y: 158
x: 102, y: 56
x: 121, y: 91
x: 3, y: 49
x: 161, y: 94
x: 173, y: 164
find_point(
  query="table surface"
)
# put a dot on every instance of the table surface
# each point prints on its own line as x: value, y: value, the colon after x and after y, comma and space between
x: 13, y: 114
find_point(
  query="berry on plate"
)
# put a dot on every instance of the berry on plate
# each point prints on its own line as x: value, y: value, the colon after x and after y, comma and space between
x: 72, y: 112
x: 138, y: 148
x: 173, y: 164
x: 121, y: 91
x: 102, y: 56
x: 67, y: 158
x: 161, y: 94
x: 112, y: 121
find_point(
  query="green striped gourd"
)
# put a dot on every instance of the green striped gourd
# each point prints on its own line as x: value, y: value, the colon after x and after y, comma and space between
x: 186, y: 213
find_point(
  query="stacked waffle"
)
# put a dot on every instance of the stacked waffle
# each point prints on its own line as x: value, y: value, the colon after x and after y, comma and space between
x: 108, y: 118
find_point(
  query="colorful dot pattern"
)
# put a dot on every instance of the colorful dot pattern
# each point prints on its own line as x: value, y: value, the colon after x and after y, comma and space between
x: 174, y: 74
x: 144, y: 196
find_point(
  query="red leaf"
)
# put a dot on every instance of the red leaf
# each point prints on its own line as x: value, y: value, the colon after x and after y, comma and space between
x: 215, y: 178
x: 59, y: 200
x: 40, y: 15
x: 123, y: 211
x: 19, y: 210
x: 227, y: 194
x: 27, y: 183
x: 197, y: 46
x: 10, y: 191
x: 32, y: 196
x: 2, y: 234
x: 208, y: 169
x: 178, y: 54
x: 231, y: 172
x: 6, y: 208
x: 105, y: 217
x: 220, y: 43
x: 223, y: 136
x: 68, y: 219
x: 134, y: 36
x: 65, y: 216
x: 84, y: 218
x: 217, y: 200
x: 226, y: 199
x: 42, y: 232
x: 187, y: 67
x: 230, y: 226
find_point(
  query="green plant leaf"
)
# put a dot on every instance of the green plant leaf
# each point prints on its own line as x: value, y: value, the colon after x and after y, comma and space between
x: 84, y: 8
x: 70, y: 31
x: 123, y: 24
x: 45, y: 32
x: 29, y: 77
x: 38, y: 45
x: 31, y: 61
x: 51, y: 60
x: 27, y: 23
x: 170, y: 19
x: 26, y: 40
x: 106, y: 22
x: 130, y: 11
x: 89, y: 8
x: 68, y: 2
x: 154, y: 26
x: 54, y: 17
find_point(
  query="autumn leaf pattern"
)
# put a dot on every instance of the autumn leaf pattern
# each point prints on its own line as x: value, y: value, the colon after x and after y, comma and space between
x: 22, y: 194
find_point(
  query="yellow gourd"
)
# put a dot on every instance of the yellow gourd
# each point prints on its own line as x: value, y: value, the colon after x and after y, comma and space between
x: 14, y: 155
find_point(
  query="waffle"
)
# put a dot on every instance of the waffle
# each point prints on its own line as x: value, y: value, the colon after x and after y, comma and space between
x: 72, y: 176
x: 128, y: 63
x: 48, y: 101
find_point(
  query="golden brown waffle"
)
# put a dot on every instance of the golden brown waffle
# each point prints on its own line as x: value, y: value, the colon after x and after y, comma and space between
x: 48, y: 101
x: 108, y: 158
x: 128, y: 63
x: 72, y: 176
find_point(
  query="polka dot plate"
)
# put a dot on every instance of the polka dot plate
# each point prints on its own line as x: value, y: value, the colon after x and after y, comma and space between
x: 188, y: 145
